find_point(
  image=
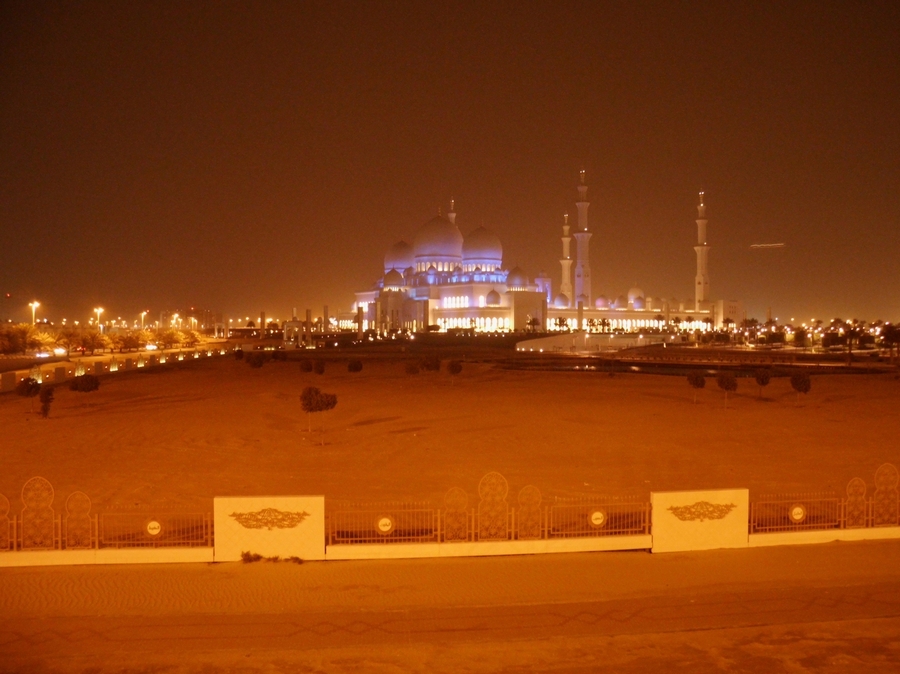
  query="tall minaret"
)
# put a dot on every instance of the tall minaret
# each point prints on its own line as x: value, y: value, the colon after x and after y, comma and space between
x: 565, y: 287
x: 451, y: 214
x: 701, y: 285
x: 582, y: 237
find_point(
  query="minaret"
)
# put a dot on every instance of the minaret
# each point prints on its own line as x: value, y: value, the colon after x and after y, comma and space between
x: 565, y: 288
x: 451, y: 214
x: 701, y: 285
x: 582, y: 237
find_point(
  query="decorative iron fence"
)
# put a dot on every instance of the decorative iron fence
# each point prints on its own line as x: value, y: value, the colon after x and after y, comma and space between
x: 796, y: 512
x: 579, y: 518
x: 383, y: 523
x: 158, y: 530
x: 492, y: 520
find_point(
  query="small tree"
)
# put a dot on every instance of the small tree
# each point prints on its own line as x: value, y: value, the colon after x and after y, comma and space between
x: 454, y: 367
x: 313, y: 400
x: 801, y: 383
x: 84, y: 383
x: 728, y: 383
x: 319, y: 367
x: 239, y: 354
x: 354, y: 366
x: 28, y: 388
x: 255, y: 360
x: 306, y: 365
x: 46, y: 397
x: 762, y: 376
x: 697, y: 382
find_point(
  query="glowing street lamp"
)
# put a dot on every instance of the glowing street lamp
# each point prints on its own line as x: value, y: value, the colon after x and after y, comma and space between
x: 34, y: 305
x: 99, y: 311
x: 143, y: 313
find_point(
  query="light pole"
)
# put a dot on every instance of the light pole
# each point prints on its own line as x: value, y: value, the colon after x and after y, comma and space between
x: 143, y: 313
x: 34, y: 305
x: 99, y: 311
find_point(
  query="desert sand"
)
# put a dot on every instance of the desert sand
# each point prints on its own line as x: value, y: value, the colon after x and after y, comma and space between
x: 179, y: 435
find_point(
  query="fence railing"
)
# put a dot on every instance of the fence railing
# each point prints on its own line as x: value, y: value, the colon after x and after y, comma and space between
x: 418, y: 523
x: 796, y: 512
x: 158, y: 530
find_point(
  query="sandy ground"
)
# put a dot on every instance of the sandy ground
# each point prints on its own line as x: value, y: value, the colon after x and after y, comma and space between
x: 826, y: 608
x: 180, y: 436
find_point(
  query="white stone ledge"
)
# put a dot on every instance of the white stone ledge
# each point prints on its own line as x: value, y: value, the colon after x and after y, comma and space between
x: 105, y: 556
x: 823, y: 536
x: 487, y: 549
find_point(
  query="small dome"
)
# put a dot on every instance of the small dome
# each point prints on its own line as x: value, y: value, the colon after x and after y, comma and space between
x: 393, y: 279
x: 438, y: 238
x: 561, y: 301
x: 493, y: 299
x: 621, y: 302
x: 516, y: 280
x: 639, y: 303
x: 602, y: 302
x: 634, y: 293
x: 399, y: 256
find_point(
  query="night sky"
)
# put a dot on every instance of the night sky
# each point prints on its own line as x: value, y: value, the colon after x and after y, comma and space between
x: 259, y: 156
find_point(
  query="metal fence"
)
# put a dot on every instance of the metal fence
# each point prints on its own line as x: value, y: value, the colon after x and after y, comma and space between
x: 796, y: 512
x: 579, y: 518
x: 157, y: 530
x: 383, y: 523
x: 388, y: 523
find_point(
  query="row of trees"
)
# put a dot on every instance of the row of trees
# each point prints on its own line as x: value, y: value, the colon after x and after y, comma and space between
x: 726, y: 381
x: 20, y: 338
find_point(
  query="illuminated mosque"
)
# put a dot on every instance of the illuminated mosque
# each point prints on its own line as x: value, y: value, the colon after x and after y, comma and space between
x: 445, y: 281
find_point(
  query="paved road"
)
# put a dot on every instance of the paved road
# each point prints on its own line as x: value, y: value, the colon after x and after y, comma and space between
x: 477, y: 615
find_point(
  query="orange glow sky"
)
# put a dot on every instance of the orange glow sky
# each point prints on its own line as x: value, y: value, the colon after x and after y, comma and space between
x: 261, y: 156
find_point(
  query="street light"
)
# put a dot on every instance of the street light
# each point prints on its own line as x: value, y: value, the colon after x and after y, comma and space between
x: 99, y: 311
x: 143, y: 313
x: 34, y: 305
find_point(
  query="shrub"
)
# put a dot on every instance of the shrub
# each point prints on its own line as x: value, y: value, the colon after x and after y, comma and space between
x: 697, y: 382
x: 454, y: 367
x: 412, y: 368
x: 46, y: 398
x: 431, y: 363
x: 762, y: 377
x: 728, y: 383
x: 306, y: 365
x: 84, y: 383
x: 239, y: 354
x: 354, y: 366
x: 319, y: 367
x: 256, y: 359
x: 801, y: 383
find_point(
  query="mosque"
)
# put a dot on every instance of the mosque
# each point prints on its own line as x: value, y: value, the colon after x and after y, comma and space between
x: 444, y: 281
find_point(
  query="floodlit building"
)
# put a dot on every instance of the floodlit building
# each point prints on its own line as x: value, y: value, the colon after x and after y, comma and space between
x: 446, y: 281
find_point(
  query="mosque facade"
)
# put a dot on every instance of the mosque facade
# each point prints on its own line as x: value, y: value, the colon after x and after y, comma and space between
x: 444, y: 281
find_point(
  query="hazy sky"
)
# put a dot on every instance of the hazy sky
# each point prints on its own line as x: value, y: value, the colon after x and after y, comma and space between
x: 248, y: 156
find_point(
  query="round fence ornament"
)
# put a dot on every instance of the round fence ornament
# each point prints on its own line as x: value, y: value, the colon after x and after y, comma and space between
x: 154, y: 528
x: 797, y: 513
x: 384, y: 525
x: 598, y: 518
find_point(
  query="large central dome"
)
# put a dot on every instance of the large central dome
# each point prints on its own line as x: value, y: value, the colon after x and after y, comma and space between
x: 482, y: 250
x: 439, y: 240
